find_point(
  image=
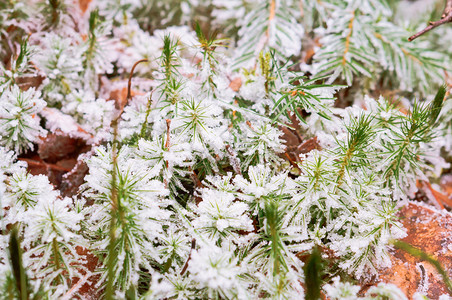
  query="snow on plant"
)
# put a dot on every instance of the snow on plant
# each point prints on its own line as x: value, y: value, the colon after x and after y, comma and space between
x: 215, y: 269
x: 201, y: 124
x: 20, y: 66
x: 345, y: 290
x: 96, y: 57
x: 261, y: 144
x: 270, y: 25
x: 93, y: 114
x: 52, y: 230
x: 200, y: 183
x: 139, y: 219
x: 62, y: 63
x: 367, y: 25
x: 219, y: 217
x: 19, y: 120
x: 166, y: 160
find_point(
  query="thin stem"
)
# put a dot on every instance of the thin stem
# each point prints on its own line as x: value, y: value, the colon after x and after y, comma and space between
x: 129, y: 84
x: 56, y: 251
x: 445, y: 18
x: 148, y: 111
x: 184, y: 269
x: 347, y: 39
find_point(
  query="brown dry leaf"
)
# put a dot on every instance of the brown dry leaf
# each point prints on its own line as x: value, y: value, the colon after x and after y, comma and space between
x: 431, y: 231
x: 57, y: 145
x: 37, y: 166
x: 120, y: 97
x: 27, y: 82
x: 308, y: 146
x: 84, y: 4
x: 446, y: 186
x: 88, y: 289
x: 235, y: 84
x: 74, y: 179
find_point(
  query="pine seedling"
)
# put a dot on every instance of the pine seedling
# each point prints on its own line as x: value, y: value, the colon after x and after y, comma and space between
x: 169, y: 63
x: 219, y: 217
x: 302, y: 94
x: 200, y: 124
x: 223, y: 278
x: 127, y: 225
x: 405, y: 156
x: 261, y: 144
x: 62, y: 63
x: 19, y: 121
x: 412, y: 66
x: 354, y: 151
x: 20, y: 66
x: 95, y: 60
x: 368, y: 26
x: 166, y: 160
x: 52, y: 230
x: 345, y: 55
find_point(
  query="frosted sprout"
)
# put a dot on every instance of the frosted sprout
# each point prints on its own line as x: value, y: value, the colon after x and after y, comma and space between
x: 19, y: 120
x: 261, y: 143
x: 219, y: 216
x: 215, y: 269
x: 341, y: 290
x: 61, y: 61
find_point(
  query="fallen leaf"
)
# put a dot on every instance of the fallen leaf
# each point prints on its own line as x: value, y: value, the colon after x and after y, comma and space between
x: 235, y: 84
x: 431, y: 231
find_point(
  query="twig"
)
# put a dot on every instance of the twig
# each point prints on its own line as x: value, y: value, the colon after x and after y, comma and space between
x: 445, y: 18
x: 168, y: 131
x: 36, y: 163
x: 193, y: 245
x: 129, y: 84
x: 235, y: 162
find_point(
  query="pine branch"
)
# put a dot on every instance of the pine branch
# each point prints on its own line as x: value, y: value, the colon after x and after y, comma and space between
x: 445, y: 18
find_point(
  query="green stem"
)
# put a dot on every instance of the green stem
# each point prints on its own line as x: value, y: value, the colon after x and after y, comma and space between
x: 56, y: 252
x: 112, y: 253
x: 428, y: 258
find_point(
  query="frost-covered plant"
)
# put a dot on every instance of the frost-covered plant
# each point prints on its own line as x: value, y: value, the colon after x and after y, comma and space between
x: 96, y: 58
x: 20, y: 66
x: 62, y: 63
x: 270, y: 24
x: 19, y: 120
x: 137, y: 219
x: 355, y: 27
x: 49, y: 226
x: 223, y: 156
x: 339, y: 290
